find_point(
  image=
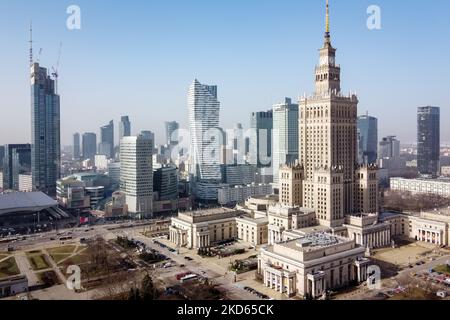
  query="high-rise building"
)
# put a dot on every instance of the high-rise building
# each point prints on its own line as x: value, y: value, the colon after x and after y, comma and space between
x: 328, y: 130
x: 124, y: 127
x: 106, y: 146
x: 76, y: 151
x: 285, y: 135
x: 428, y: 140
x: 45, y: 131
x: 2, y: 156
x: 389, y: 147
x: 206, y: 141
x: 368, y: 139
x: 261, y: 125
x: 172, y: 128
x: 17, y: 161
x: 136, y: 175
x: 238, y: 145
x: 165, y: 182
x: 89, y: 145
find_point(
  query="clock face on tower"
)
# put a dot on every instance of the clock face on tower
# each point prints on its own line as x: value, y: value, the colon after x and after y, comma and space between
x: 331, y: 60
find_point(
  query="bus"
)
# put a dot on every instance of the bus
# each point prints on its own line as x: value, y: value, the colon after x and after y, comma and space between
x: 189, y: 277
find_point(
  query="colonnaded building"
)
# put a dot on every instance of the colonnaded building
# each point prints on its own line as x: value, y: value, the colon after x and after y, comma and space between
x: 326, y: 216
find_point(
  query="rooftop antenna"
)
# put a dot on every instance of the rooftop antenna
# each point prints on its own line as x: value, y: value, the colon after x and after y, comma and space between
x: 55, y: 73
x: 31, y: 43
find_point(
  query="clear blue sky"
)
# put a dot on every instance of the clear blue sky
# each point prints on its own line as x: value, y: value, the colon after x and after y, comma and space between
x: 139, y: 57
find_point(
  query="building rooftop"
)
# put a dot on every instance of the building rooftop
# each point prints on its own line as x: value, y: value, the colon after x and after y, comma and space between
x: 208, y: 212
x: 24, y: 201
x: 315, y: 241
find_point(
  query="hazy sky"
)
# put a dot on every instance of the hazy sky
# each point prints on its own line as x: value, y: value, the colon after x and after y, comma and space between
x: 139, y: 57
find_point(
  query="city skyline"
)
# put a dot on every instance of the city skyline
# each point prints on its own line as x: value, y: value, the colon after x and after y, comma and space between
x: 239, y: 56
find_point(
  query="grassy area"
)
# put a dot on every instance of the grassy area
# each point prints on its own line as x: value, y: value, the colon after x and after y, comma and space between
x: 69, y: 249
x: 78, y: 259
x: 58, y: 254
x: 37, y: 260
x: 3, y: 256
x: 8, y: 268
x: 443, y: 269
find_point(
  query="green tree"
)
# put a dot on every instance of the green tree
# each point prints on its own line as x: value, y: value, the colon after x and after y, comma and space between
x: 148, y: 290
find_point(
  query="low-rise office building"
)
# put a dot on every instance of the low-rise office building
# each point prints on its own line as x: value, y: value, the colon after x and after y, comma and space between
x: 439, y: 187
x: 229, y: 195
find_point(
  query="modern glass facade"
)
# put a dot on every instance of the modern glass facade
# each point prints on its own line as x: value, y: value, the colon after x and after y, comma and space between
x: 285, y: 135
x: 45, y: 131
x: 206, y: 140
x: 428, y: 140
x: 368, y: 139
x: 17, y: 161
x: 107, y: 140
x: 76, y: 151
x: 124, y: 127
x: 171, y: 133
x: 261, y: 125
x: 89, y: 145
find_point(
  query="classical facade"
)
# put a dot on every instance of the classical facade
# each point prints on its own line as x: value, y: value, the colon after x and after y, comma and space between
x: 431, y: 227
x: 366, y: 230
x: 290, y: 184
x: 285, y: 218
x: 201, y: 229
x: 334, y: 185
x: 313, y: 264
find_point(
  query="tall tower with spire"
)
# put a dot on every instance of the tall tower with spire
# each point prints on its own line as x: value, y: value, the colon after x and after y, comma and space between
x: 328, y: 144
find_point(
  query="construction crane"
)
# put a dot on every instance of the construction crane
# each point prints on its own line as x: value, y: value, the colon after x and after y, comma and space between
x: 55, y: 73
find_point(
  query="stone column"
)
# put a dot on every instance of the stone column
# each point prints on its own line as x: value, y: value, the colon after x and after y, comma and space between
x: 281, y: 284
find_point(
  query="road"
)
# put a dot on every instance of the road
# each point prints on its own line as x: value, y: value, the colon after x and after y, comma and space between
x: 226, y: 282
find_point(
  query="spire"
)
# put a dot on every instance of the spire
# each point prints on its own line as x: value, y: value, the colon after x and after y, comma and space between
x: 327, y: 25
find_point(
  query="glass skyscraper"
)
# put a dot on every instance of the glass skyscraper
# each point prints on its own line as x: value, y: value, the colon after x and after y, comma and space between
x: 285, y: 135
x: 368, y: 139
x: 17, y: 161
x: 428, y: 140
x: 76, y: 151
x: 45, y: 131
x: 261, y: 125
x: 106, y: 146
x: 206, y: 141
x: 124, y: 127
x: 171, y: 135
x: 89, y: 145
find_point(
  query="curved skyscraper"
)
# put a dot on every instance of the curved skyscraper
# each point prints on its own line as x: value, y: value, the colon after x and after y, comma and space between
x: 206, y: 140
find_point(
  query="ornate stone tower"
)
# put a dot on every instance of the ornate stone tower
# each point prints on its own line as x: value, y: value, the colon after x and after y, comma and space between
x: 328, y: 144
